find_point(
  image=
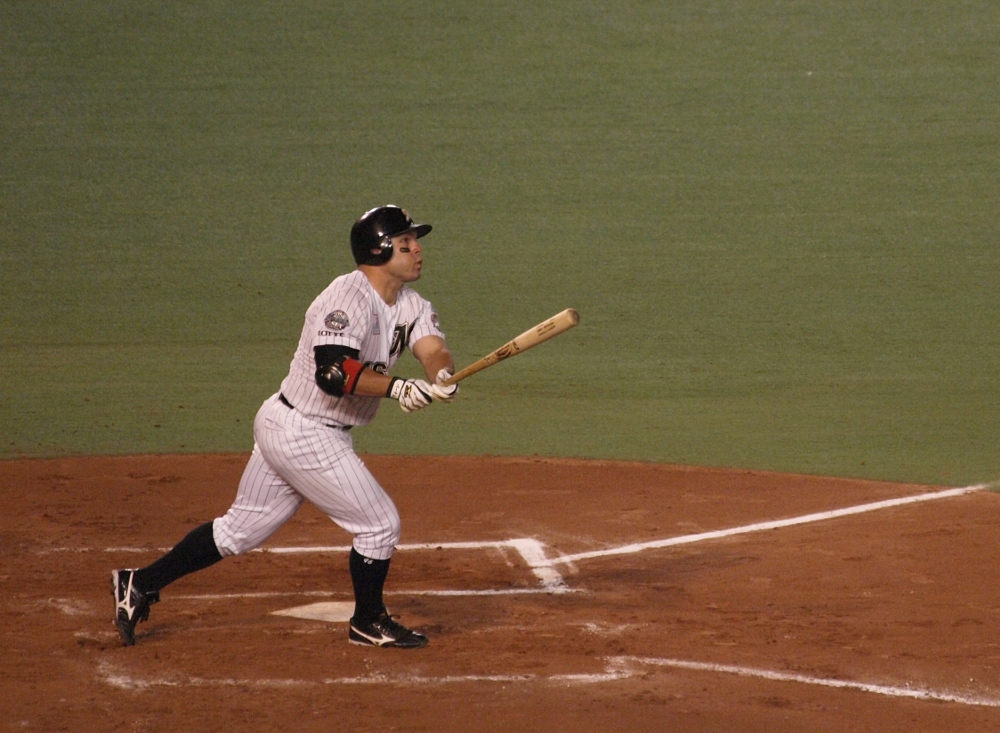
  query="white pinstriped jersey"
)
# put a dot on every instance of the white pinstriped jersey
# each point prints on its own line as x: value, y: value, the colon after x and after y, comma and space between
x: 351, y: 313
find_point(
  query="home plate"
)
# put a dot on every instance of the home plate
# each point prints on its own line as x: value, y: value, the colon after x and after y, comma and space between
x: 326, y: 611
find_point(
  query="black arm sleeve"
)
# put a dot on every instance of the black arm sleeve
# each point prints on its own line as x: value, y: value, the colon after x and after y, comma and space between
x: 330, y: 376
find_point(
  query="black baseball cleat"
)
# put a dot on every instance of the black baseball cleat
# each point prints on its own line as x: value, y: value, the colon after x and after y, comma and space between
x: 383, y: 631
x: 131, y: 604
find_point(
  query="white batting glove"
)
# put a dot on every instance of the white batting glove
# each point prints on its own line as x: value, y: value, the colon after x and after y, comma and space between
x: 439, y: 391
x: 411, y: 393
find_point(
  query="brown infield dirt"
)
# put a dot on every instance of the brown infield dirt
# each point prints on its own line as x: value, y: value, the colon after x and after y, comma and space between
x: 884, y: 620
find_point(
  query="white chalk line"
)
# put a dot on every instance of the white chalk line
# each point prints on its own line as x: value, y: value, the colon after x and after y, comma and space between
x: 531, y: 551
x: 916, y: 693
x: 616, y: 669
x: 534, y: 554
x: 128, y: 682
x: 402, y: 592
x: 124, y: 681
x: 762, y: 526
x: 305, y: 549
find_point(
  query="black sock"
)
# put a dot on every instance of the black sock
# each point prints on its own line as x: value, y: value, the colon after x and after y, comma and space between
x: 195, y: 552
x: 368, y: 577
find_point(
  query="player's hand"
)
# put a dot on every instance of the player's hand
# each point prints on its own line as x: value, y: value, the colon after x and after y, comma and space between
x: 411, y: 393
x: 440, y: 392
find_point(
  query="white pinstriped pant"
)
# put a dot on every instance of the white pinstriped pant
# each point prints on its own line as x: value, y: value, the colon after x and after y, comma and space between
x: 296, y: 458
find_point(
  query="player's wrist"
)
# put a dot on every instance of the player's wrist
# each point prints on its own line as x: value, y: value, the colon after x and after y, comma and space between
x: 396, y: 385
x: 412, y: 394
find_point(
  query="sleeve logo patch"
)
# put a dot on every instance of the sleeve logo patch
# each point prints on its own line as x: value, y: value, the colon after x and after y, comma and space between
x: 337, y: 321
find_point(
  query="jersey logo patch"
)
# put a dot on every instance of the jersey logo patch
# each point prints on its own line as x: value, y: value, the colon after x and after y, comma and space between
x: 401, y: 337
x: 337, y: 321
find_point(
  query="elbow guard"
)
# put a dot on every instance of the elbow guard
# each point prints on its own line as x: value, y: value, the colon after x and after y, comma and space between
x: 337, y: 372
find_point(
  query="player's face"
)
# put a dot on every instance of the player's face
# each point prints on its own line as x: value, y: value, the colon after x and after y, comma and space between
x: 406, y: 261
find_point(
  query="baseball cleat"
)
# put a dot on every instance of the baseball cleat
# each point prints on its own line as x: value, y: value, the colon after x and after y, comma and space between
x: 131, y: 604
x: 383, y: 631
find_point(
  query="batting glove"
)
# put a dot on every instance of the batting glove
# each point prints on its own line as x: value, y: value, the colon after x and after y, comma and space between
x: 411, y: 393
x: 440, y: 392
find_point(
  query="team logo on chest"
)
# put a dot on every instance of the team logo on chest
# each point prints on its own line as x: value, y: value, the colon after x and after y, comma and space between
x: 400, y: 338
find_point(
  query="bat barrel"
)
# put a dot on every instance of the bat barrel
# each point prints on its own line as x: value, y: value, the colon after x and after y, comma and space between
x: 547, y: 329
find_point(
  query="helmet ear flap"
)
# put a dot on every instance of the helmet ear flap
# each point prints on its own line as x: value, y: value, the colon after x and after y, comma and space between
x: 382, y: 251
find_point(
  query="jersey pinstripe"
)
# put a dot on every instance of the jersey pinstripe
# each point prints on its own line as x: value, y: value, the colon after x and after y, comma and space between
x: 349, y: 312
x: 297, y: 456
x: 303, y: 447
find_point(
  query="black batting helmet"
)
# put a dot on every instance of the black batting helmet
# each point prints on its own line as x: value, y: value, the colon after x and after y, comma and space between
x: 371, y: 235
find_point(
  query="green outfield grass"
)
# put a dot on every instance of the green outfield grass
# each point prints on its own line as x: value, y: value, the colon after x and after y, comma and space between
x: 777, y: 220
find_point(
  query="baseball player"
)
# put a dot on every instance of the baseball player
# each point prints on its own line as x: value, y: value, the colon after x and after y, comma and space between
x: 354, y: 332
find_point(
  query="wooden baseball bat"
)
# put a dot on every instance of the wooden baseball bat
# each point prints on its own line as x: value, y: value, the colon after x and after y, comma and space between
x: 560, y: 322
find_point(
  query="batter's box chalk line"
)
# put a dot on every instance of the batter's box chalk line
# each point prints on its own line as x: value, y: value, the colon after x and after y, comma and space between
x: 615, y: 669
x: 535, y: 554
x: 531, y: 551
x: 550, y: 580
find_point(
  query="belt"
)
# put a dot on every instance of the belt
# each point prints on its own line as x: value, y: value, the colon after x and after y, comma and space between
x: 290, y: 406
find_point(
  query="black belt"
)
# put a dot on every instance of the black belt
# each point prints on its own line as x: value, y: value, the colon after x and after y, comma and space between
x: 290, y: 406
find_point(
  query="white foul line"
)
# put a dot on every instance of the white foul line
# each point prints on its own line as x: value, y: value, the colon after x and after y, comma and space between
x: 776, y: 524
x: 766, y: 674
x: 534, y: 555
x: 616, y: 669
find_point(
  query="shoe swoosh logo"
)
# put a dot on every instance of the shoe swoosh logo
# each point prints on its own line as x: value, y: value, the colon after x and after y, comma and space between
x: 126, y: 602
x: 377, y: 640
